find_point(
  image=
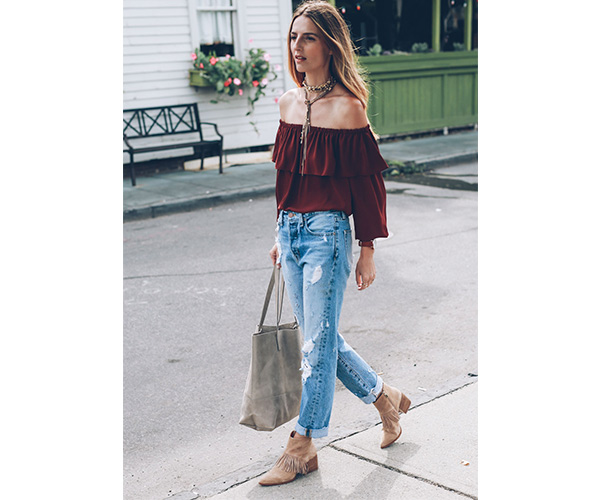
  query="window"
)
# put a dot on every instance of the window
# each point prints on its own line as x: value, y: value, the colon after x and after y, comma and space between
x: 393, y: 24
x: 397, y: 25
x: 453, y: 24
x: 216, y: 26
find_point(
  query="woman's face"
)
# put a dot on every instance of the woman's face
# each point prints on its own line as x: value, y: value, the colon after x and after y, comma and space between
x: 308, y: 47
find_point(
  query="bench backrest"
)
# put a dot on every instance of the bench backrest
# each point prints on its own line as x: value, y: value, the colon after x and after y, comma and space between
x: 162, y: 120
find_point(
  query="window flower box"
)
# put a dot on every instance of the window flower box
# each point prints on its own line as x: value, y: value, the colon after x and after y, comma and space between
x: 197, y: 80
x: 229, y: 76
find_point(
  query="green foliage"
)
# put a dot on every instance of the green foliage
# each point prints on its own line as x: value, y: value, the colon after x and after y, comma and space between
x: 230, y: 76
x: 257, y: 70
x: 419, y: 47
x: 375, y: 50
x: 458, y: 46
x: 400, y: 168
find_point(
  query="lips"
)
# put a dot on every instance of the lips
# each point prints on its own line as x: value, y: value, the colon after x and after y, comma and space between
x: 300, y: 58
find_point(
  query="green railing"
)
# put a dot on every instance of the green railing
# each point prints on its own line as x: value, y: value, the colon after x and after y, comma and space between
x: 422, y: 92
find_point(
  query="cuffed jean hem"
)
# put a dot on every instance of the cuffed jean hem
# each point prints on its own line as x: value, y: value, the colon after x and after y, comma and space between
x: 312, y: 433
x: 372, y: 396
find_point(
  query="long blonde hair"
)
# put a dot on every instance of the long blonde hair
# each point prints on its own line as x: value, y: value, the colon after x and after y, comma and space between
x: 344, y: 65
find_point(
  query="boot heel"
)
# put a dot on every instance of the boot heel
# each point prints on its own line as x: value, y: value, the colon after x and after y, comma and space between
x: 404, y: 404
x: 313, y: 464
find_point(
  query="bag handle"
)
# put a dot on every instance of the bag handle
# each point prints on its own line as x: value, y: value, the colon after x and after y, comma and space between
x: 276, y: 275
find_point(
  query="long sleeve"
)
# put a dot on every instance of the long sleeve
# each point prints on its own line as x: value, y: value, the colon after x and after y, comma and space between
x: 369, y: 206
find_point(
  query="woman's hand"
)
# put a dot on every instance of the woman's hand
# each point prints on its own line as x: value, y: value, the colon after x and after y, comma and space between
x: 274, y: 254
x: 365, y: 268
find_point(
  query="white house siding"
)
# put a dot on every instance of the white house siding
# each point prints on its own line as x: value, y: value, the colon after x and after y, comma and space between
x: 158, y: 40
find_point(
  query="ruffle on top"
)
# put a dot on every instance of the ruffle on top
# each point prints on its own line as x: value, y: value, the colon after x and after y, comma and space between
x: 330, y: 152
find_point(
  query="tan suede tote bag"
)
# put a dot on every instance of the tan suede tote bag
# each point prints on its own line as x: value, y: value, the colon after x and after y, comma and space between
x: 274, y: 384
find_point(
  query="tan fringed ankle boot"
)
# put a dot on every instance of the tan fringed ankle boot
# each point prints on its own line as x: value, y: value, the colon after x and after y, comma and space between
x: 299, y: 457
x: 389, y: 404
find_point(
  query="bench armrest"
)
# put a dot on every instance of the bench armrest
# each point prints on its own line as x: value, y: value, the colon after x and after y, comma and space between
x: 127, y: 143
x: 215, y: 126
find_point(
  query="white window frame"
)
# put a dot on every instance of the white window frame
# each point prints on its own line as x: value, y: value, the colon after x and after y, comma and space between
x: 237, y: 10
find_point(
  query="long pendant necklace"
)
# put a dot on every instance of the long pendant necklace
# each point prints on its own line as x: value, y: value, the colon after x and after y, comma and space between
x: 325, y: 88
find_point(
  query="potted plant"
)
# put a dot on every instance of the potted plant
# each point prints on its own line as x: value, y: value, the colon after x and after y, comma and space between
x: 229, y: 76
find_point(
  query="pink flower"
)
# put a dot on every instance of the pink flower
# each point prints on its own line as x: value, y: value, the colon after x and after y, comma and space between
x: 201, y: 66
x: 227, y: 57
x: 213, y: 60
x: 267, y: 57
x: 250, y: 40
x: 255, y: 83
x: 237, y: 81
x: 194, y: 56
x: 264, y: 81
x: 277, y: 67
x: 240, y: 91
x: 276, y: 100
x: 227, y: 82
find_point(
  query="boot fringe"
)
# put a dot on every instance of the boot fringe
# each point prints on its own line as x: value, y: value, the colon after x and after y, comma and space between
x: 292, y: 464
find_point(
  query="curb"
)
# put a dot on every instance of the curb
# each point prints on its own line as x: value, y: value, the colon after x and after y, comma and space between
x: 446, y: 161
x: 432, y: 163
x: 191, y: 204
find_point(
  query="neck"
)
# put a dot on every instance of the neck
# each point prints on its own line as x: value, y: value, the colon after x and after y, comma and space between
x: 313, y: 79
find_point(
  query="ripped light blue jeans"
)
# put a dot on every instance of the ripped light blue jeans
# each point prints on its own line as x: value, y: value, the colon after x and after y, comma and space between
x: 315, y: 252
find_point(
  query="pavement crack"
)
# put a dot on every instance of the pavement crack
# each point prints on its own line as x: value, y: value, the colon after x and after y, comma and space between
x: 442, y: 395
x: 399, y: 471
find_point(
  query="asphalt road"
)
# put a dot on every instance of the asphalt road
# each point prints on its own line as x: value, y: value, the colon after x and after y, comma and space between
x: 193, y: 290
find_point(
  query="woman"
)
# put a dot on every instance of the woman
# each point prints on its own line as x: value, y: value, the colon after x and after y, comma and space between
x: 328, y: 167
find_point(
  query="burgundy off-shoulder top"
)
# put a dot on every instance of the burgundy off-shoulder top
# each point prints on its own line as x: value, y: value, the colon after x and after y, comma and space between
x: 342, y: 171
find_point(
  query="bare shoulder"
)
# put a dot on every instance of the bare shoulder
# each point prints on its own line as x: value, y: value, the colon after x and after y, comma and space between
x: 353, y: 113
x: 288, y: 102
x: 348, y: 111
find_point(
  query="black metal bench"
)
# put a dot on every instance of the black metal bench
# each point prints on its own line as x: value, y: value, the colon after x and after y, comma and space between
x: 144, y: 123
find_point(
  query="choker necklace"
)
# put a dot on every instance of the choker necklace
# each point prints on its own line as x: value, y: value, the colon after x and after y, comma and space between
x: 325, y: 88
x: 328, y: 85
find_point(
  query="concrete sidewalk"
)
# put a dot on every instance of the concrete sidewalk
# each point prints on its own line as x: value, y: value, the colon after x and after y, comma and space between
x: 435, y: 458
x: 188, y: 190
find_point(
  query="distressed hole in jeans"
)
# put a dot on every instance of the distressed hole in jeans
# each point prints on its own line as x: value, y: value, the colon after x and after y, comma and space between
x: 318, y: 272
x: 306, y: 369
x: 308, y: 346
